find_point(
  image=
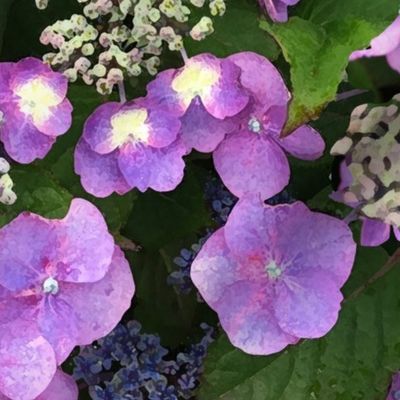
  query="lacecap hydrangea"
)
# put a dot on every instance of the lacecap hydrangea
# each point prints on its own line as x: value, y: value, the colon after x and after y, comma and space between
x: 62, y: 283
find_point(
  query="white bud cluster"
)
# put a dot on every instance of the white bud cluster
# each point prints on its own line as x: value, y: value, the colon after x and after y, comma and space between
x: 117, y: 39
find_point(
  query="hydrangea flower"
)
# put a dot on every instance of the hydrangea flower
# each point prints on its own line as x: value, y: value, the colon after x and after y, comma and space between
x: 277, y: 9
x: 34, y: 106
x: 386, y: 44
x: 62, y: 387
x: 206, y: 92
x: 253, y: 158
x: 394, y: 393
x: 369, y: 174
x: 273, y: 274
x: 62, y: 283
x: 131, y: 145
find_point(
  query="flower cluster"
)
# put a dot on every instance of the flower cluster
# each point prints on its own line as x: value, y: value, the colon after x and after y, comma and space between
x: 209, y: 105
x: 370, y: 180
x: 62, y: 283
x: 144, y: 369
x: 386, y: 44
x: 34, y: 108
x: 7, y: 196
x: 117, y: 39
x: 273, y: 274
x: 277, y: 9
x: 394, y: 393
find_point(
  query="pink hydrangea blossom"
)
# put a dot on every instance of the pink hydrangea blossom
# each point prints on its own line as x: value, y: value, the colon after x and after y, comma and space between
x: 131, y: 145
x: 252, y: 159
x: 277, y: 9
x: 62, y: 387
x: 273, y: 274
x: 62, y: 283
x: 206, y: 93
x: 34, y: 106
x: 386, y: 44
x: 394, y: 393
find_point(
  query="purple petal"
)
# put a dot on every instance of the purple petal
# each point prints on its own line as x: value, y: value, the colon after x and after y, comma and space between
x: 393, y: 58
x: 100, y: 174
x: 58, y: 121
x: 246, y: 316
x: 304, y: 143
x: 6, y: 69
x: 94, y: 309
x: 22, y: 140
x: 396, y: 232
x: 277, y: 9
x: 62, y: 387
x: 251, y: 163
x: 97, y: 131
x: 307, y: 304
x: 32, y: 68
x: 201, y: 131
x: 82, y: 230
x: 27, y: 361
x: 214, y: 269
x: 383, y: 44
x: 374, y: 232
x: 146, y: 167
x: 28, y: 243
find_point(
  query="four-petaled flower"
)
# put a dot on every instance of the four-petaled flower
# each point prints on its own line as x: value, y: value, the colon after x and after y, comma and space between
x: 386, y: 44
x: 273, y: 274
x: 252, y: 159
x: 130, y: 145
x: 62, y: 283
x: 34, y: 106
x: 277, y: 9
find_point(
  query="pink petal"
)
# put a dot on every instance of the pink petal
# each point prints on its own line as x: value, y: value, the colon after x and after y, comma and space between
x: 304, y: 143
x: 92, y: 309
x: 22, y: 140
x: 374, y: 232
x: 201, y: 131
x: 28, y: 244
x: 27, y: 361
x: 393, y: 58
x: 62, y: 387
x: 78, y: 234
x: 251, y: 163
x: 59, y: 121
x: 147, y: 167
x: 100, y: 174
x: 246, y: 316
x: 5, y: 76
x: 214, y: 269
x: 307, y: 303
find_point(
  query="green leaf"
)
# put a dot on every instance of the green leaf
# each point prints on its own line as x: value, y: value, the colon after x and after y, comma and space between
x: 158, y: 219
x: 318, y: 45
x: 37, y: 192
x: 353, y: 362
x: 228, y: 39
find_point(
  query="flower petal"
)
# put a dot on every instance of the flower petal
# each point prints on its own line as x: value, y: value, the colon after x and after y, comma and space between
x: 374, y: 232
x: 6, y: 69
x: 27, y: 361
x: 62, y: 387
x: 249, y: 163
x: 304, y: 143
x: 393, y: 58
x: 100, y: 174
x: 78, y: 234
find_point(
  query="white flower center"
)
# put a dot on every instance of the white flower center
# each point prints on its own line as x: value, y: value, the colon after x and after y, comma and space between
x: 254, y: 125
x: 50, y: 286
x: 273, y: 270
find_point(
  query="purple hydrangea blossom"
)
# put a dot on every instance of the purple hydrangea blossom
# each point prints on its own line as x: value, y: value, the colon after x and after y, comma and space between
x: 131, y: 145
x: 277, y: 9
x: 253, y: 158
x: 62, y: 283
x: 386, y: 44
x: 206, y: 93
x: 36, y: 110
x: 394, y: 393
x: 273, y: 274
x: 62, y: 387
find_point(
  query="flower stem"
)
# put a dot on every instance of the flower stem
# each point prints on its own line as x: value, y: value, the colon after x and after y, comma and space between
x: 184, y: 55
x: 122, y: 92
x: 352, y: 216
x: 350, y: 93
